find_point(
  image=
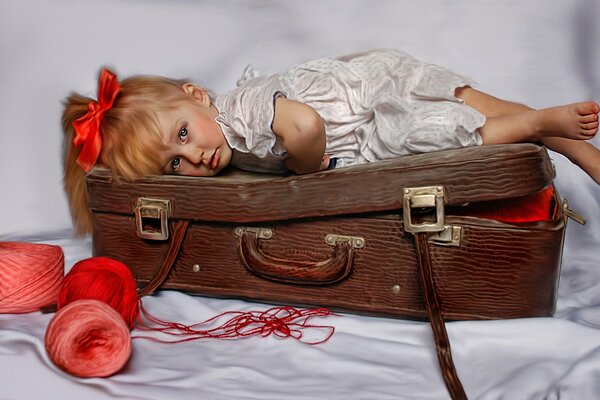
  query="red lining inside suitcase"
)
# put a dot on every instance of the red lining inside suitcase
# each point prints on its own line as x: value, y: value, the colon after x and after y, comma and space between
x: 539, y: 206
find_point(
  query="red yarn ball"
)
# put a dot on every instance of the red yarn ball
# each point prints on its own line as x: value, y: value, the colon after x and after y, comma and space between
x: 30, y: 276
x: 88, y: 338
x: 103, y: 279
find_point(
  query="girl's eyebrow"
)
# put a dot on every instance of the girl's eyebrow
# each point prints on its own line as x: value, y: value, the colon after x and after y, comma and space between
x: 169, y: 140
x: 166, y: 165
x: 171, y: 126
x: 173, y: 131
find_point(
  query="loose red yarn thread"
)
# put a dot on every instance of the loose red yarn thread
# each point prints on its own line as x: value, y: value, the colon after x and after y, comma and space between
x: 282, y: 321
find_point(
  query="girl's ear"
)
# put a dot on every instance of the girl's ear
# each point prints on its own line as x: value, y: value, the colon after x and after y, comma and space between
x: 198, y: 93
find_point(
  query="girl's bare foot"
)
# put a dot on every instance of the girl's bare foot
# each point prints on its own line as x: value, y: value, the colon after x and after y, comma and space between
x: 573, y: 121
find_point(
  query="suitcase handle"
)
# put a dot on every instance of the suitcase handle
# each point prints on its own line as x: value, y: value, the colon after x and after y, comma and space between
x: 331, y: 270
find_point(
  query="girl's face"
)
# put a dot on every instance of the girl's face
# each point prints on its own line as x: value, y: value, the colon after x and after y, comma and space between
x: 195, y: 143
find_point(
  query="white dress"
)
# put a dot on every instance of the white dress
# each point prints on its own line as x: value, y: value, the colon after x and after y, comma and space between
x: 375, y: 106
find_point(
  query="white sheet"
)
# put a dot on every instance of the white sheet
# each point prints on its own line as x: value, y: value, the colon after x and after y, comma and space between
x: 540, y: 52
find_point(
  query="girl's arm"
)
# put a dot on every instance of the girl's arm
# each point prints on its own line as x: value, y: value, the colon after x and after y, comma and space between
x: 303, y: 133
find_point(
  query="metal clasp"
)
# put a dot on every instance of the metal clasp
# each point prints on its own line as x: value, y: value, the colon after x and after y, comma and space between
x: 261, y: 233
x: 423, y: 197
x: 152, y: 218
x: 356, y: 242
x: 450, y: 236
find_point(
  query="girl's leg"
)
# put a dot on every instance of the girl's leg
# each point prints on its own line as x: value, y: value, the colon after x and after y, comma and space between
x: 489, y: 105
x: 512, y: 122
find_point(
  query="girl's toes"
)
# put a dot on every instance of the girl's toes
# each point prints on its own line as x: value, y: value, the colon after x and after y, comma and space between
x: 590, y: 129
x: 594, y: 108
x: 590, y: 126
x: 586, y: 119
x: 584, y: 109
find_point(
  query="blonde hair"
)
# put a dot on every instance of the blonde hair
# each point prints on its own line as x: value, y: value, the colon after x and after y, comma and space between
x: 131, y: 134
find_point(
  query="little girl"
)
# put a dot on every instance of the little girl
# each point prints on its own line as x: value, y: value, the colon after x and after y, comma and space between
x: 326, y: 113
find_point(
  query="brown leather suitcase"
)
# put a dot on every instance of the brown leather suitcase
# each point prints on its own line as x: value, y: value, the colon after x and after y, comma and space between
x: 400, y: 238
x: 285, y: 239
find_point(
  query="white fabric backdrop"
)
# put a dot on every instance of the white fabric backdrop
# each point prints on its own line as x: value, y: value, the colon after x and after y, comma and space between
x: 539, y: 52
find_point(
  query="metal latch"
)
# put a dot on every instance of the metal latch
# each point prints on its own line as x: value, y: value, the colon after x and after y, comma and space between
x: 356, y: 242
x: 152, y: 217
x: 572, y: 214
x: 450, y: 236
x: 261, y: 233
x: 423, y: 197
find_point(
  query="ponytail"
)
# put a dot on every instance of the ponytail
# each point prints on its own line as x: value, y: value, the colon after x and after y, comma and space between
x: 74, y: 176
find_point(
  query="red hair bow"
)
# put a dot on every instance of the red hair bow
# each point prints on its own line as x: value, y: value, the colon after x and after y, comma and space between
x: 87, y: 128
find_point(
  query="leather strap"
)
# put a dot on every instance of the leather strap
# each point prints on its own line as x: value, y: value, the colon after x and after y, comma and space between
x: 177, y: 235
x: 442, y: 343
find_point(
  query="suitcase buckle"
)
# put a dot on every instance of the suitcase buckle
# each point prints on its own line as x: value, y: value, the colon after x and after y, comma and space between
x: 152, y: 217
x: 421, y: 198
x: 580, y: 219
x: 450, y: 236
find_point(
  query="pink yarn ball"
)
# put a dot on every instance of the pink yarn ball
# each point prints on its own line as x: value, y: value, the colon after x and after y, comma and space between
x: 88, y: 338
x: 30, y: 276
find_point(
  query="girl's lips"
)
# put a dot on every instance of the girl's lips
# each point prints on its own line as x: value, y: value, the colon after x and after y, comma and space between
x: 215, y: 159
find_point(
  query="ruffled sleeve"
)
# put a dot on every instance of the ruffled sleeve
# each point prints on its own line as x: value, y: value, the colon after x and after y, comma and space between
x: 246, y: 116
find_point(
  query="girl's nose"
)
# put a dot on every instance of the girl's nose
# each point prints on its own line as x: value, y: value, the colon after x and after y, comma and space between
x: 194, y: 155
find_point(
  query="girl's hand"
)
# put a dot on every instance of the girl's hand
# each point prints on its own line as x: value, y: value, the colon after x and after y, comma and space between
x: 289, y: 164
x: 325, y: 162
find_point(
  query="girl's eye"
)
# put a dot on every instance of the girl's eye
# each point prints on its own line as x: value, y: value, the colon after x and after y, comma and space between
x: 183, y: 134
x: 175, y: 163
